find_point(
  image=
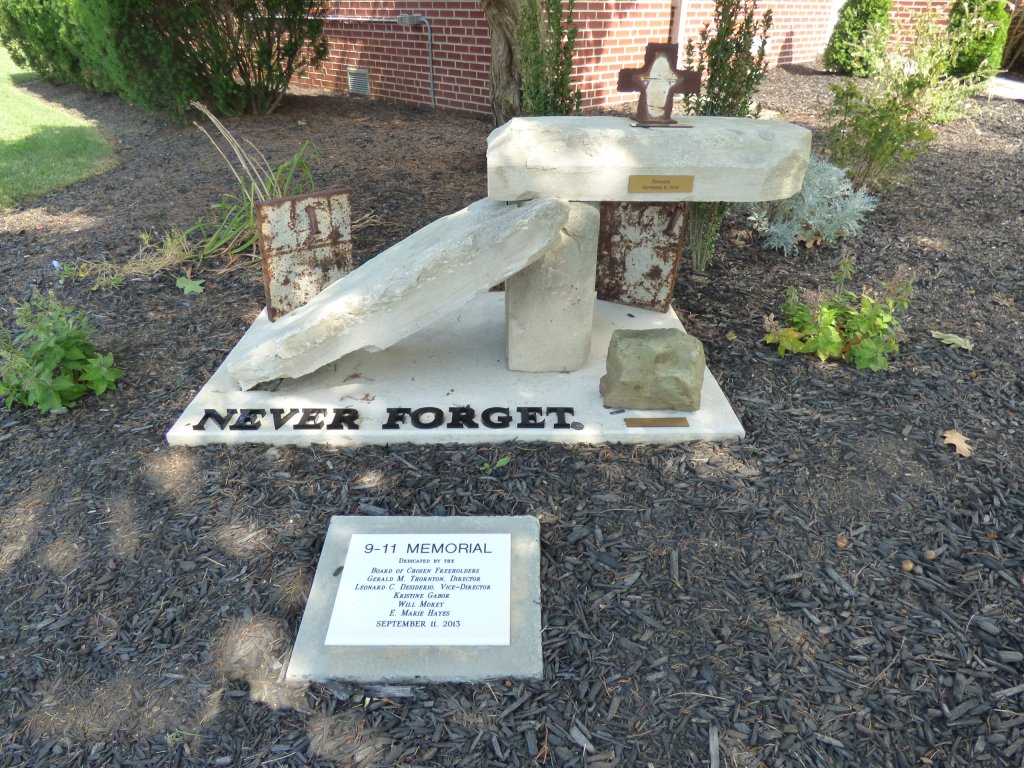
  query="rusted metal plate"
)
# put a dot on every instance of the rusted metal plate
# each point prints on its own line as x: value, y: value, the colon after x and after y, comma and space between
x: 658, y: 82
x: 638, y: 254
x: 306, y: 244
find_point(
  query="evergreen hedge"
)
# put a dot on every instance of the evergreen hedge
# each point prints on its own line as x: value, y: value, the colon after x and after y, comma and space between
x: 986, y: 24
x: 855, y: 18
x: 42, y: 35
x: 234, y: 55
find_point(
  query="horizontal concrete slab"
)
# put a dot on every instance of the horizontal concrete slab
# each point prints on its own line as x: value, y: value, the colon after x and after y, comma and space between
x: 733, y: 159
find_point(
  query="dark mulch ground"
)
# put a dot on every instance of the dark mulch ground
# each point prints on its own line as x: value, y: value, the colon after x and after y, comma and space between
x: 697, y: 608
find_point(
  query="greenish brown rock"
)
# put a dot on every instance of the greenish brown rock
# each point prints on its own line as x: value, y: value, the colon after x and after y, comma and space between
x: 658, y: 369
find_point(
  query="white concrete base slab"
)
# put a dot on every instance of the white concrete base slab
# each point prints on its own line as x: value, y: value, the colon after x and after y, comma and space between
x: 448, y: 383
x: 314, y: 660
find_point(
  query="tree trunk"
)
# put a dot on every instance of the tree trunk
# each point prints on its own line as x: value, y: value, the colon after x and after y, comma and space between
x: 506, y: 83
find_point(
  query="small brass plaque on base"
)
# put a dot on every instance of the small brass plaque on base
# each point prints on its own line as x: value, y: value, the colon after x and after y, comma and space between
x: 656, y: 183
x: 665, y: 421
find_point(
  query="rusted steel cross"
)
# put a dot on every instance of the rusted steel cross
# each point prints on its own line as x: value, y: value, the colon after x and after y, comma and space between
x: 658, y: 81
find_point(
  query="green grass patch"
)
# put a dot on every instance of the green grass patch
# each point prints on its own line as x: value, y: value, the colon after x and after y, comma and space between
x: 41, y: 147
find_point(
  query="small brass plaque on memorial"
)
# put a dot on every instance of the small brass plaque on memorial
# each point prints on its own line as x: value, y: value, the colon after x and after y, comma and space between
x: 665, y: 421
x: 661, y: 184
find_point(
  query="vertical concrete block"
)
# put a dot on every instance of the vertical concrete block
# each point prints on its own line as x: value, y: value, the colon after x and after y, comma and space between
x: 549, y: 305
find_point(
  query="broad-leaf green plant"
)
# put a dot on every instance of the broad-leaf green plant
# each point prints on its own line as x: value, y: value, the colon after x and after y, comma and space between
x: 53, y: 361
x: 546, y: 44
x: 860, y: 328
x: 500, y: 463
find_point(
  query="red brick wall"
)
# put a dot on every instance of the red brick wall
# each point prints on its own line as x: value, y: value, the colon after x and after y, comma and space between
x: 905, y: 14
x: 613, y: 34
x: 397, y: 58
x: 800, y: 28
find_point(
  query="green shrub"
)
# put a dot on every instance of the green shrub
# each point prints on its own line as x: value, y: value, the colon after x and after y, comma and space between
x: 1013, y: 52
x: 237, y: 55
x: 266, y: 43
x: 53, y: 361
x: 875, y: 132
x: 984, y: 24
x: 546, y: 45
x: 826, y: 208
x: 42, y: 35
x: 878, y: 126
x: 731, y: 62
x: 845, y: 51
x: 860, y: 328
x: 137, y: 47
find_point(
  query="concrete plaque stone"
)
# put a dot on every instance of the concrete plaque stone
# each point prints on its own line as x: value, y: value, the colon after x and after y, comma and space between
x: 416, y: 655
x: 449, y: 383
x: 423, y: 589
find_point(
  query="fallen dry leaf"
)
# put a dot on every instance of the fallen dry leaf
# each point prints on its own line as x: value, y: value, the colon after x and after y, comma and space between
x: 953, y: 340
x: 955, y: 438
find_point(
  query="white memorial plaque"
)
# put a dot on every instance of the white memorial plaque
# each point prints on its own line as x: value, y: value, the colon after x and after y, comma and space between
x: 424, y: 589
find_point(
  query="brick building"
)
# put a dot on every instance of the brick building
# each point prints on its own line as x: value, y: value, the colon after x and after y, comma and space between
x: 437, y: 52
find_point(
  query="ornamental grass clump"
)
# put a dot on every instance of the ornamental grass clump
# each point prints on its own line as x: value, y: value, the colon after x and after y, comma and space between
x: 232, y: 230
x: 826, y: 208
x: 53, y: 361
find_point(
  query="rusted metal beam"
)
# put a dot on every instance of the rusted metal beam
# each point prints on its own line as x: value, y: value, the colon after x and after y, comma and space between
x: 639, y: 251
x: 306, y: 244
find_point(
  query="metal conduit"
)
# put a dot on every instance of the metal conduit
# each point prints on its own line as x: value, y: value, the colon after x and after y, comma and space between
x: 402, y: 20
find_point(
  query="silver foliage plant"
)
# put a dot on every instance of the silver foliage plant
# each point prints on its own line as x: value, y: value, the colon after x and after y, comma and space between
x: 825, y: 209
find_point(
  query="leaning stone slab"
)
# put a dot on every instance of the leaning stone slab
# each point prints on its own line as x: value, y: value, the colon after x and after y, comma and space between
x: 658, y: 369
x: 406, y: 288
x: 730, y: 159
x: 549, y: 306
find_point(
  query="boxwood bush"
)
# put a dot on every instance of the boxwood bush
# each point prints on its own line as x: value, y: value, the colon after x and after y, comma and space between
x: 985, y: 24
x: 845, y: 51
